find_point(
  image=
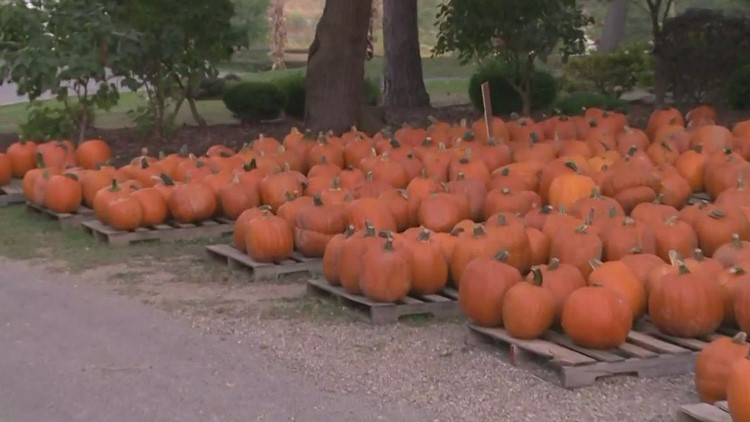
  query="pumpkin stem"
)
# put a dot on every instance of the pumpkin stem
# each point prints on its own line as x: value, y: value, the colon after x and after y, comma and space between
x: 424, y: 235
x: 369, y: 175
x: 166, y: 180
x: 740, y: 337
x: 534, y: 137
x: 502, y: 220
x: 144, y: 163
x: 596, y: 193
x: 290, y: 196
x: 554, y: 263
x: 115, y: 187
x: 582, y: 229
x: 502, y: 255
x: 572, y: 165
x: 736, y: 241
x: 250, y: 165
x: 674, y: 257
x: 537, y: 280
x: 628, y: 222
x: 637, y: 250
x: 612, y: 212
x: 561, y: 209
x: 547, y: 209
x: 423, y: 173
x: 478, y: 230
x: 595, y: 263
x: 40, y: 161
x: 631, y: 151
x: 457, y: 230
x: 659, y: 199
x: 505, y: 191
x: 698, y: 148
x: 349, y: 231
x: 737, y: 270
x: 335, y: 183
x: 683, y: 269
x: 369, y: 229
x: 505, y: 171
x: 671, y: 220
x: 698, y: 255
x: 461, y: 176
x: 316, y: 200
x: 427, y: 141
x: 235, y: 179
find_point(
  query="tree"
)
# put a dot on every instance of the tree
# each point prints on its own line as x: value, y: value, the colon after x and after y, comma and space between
x: 278, y: 33
x: 403, y: 79
x: 250, y: 19
x: 44, y: 48
x: 613, y: 32
x: 334, y: 83
x: 516, y: 32
x: 179, y: 43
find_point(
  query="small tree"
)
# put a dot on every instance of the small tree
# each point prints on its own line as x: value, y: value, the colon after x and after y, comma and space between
x: 516, y: 32
x: 179, y: 43
x: 277, y: 22
x: 44, y: 48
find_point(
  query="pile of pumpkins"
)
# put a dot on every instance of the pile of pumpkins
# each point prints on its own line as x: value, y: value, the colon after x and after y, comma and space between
x: 722, y: 372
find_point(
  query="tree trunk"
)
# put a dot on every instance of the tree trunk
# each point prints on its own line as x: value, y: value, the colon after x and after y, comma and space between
x: 277, y: 20
x: 403, y: 79
x: 334, y: 83
x: 613, y: 33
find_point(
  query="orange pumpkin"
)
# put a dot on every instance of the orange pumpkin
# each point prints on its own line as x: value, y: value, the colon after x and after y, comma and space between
x: 484, y: 283
x: 596, y: 318
x: 429, y: 268
x: 332, y: 255
x: 528, y: 308
x: 714, y: 363
x: 153, y: 206
x: 22, y: 156
x: 268, y: 238
x: 92, y: 153
x: 386, y: 275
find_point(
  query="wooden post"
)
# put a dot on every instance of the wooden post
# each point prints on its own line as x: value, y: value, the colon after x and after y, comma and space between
x: 487, y: 103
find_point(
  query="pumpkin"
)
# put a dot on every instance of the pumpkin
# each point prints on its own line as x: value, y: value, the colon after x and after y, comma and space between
x: 734, y: 252
x: 332, y: 255
x: 577, y: 247
x: 6, y: 169
x: 386, y: 275
x: 92, y: 153
x: 124, y: 213
x: 483, y: 286
x: 362, y: 210
x: 192, y: 202
x: 561, y: 280
x: 673, y: 234
x: 22, y: 156
x: 528, y: 308
x: 316, y: 225
x: 596, y: 318
x: 153, y: 206
x: 539, y: 245
x: 616, y: 276
x: 429, y: 268
x: 641, y: 264
x: 620, y: 239
x: 294, y: 204
x: 714, y: 363
x: 686, y: 304
x: 738, y: 390
x: 235, y: 198
x: 268, y: 238
x: 62, y: 193
x: 511, y: 236
x: 92, y: 182
x: 273, y: 188
x: 475, y: 191
x: 718, y: 227
x: 350, y: 260
x: 240, y: 225
x: 468, y: 248
x: 567, y: 189
x: 106, y: 195
x: 440, y: 212
x: 691, y: 165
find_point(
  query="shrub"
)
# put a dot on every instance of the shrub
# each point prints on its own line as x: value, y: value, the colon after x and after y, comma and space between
x: 45, y: 122
x: 505, y: 99
x: 254, y: 101
x: 699, y: 50
x: 738, y: 88
x: 576, y: 102
x: 293, y: 86
x: 611, y: 74
x: 213, y: 88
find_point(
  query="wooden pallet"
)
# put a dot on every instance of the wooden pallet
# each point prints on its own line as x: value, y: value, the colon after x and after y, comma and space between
x: 238, y: 260
x: 168, y: 232
x: 647, y: 353
x: 704, y: 412
x: 12, y: 193
x: 65, y: 220
x: 441, y: 305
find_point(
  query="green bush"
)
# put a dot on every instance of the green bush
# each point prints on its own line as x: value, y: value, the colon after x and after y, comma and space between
x: 44, y: 122
x: 505, y: 99
x: 612, y: 73
x: 293, y: 86
x: 576, y: 103
x: 738, y: 88
x: 254, y: 101
x: 213, y: 88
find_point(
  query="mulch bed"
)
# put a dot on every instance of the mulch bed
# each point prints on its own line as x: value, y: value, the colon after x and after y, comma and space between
x: 127, y: 142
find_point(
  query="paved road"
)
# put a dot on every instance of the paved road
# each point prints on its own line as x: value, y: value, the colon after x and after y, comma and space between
x: 73, y: 354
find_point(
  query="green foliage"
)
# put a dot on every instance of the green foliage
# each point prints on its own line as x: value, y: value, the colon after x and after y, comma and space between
x: 178, y: 44
x: 505, y: 98
x: 254, y: 101
x: 700, y: 49
x: 46, y: 49
x: 250, y: 19
x: 293, y: 86
x: 611, y: 74
x: 45, y: 122
x: 213, y: 88
x: 738, y: 88
x: 517, y: 32
x: 577, y: 102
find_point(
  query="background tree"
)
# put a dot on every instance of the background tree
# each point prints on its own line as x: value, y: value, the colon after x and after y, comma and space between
x: 278, y: 34
x: 45, y: 49
x: 250, y: 19
x: 516, y: 32
x: 615, y: 23
x: 334, y: 83
x: 179, y: 43
x: 402, y: 79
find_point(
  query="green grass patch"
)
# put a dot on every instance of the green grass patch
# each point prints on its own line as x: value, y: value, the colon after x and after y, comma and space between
x: 27, y: 236
x: 308, y: 308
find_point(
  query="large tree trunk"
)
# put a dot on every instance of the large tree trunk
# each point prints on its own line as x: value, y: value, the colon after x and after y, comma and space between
x: 613, y: 33
x: 334, y: 83
x: 403, y: 81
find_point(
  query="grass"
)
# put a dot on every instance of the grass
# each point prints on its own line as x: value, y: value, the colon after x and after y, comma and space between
x: 445, y: 79
x: 308, y: 308
x: 28, y: 236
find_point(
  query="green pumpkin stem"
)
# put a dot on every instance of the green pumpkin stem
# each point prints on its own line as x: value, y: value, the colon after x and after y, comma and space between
x: 538, y: 279
x: 424, y: 235
x: 502, y: 255
x: 554, y: 263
